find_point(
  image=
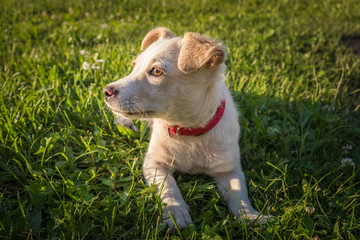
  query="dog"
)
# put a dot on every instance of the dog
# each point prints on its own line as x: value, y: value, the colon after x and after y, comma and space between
x: 179, y: 83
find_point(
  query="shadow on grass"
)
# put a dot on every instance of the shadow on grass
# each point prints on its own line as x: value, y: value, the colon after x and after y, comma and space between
x: 352, y: 42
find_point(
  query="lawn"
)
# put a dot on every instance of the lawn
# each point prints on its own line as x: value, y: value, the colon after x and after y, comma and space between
x: 68, y: 172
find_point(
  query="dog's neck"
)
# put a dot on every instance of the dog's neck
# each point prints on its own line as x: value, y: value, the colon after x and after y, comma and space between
x: 199, y: 110
x: 185, y: 131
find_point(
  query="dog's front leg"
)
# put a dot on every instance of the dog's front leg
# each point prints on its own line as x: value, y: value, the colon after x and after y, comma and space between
x: 170, y: 195
x: 232, y: 186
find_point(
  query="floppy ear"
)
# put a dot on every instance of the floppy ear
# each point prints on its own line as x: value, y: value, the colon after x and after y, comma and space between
x: 199, y: 51
x: 154, y: 35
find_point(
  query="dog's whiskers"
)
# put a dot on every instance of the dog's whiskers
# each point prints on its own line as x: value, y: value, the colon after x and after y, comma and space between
x: 137, y: 108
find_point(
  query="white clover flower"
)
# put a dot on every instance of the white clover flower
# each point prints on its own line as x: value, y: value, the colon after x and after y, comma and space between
x: 212, y: 18
x: 104, y: 26
x: 95, y: 67
x: 310, y: 210
x: 86, y: 66
x: 82, y: 52
x: 347, y: 162
x: 347, y: 147
x: 100, y: 60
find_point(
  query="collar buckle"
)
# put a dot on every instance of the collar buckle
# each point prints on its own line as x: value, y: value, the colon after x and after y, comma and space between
x: 177, y: 133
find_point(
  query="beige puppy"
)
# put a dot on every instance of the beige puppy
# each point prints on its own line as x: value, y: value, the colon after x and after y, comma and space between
x: 179, y: 83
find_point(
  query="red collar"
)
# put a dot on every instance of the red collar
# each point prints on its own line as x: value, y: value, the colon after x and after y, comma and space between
x: 182, y: 131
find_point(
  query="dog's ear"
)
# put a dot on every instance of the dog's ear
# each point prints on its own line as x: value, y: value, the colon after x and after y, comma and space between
x: 200, y: 51
x: 154, y: 35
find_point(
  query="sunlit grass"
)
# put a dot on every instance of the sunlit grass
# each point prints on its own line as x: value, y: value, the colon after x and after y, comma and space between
x: 67, y: 172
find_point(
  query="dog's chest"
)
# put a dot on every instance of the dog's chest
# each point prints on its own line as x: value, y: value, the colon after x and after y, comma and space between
x: 193, y: 156
x: 214, y: 151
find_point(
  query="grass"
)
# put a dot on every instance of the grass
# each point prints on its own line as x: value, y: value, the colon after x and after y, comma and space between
x: 67, y: 172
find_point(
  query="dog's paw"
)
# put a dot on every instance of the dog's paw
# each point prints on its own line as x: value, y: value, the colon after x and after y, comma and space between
x: 126, y: 122
x: 259, y: 218
x: 253, y: 216
x: 179, y: 213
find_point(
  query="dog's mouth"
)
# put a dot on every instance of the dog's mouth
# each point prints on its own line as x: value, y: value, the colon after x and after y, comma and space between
x: 133, y: 114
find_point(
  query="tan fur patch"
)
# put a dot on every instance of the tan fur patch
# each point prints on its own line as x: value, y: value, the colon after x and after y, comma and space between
x: 154, y: 35
x: 198, y: 51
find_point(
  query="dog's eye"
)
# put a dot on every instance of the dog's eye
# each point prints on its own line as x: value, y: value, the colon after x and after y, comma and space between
x: 156, y: 72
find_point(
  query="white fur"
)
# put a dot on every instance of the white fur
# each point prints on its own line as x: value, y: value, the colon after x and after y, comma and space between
x: 187, y: 100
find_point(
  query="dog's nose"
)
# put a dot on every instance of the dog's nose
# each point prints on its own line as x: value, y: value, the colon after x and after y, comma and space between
x: 110, y: 91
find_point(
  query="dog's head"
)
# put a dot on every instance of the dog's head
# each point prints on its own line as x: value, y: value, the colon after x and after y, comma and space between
x: 170, y: 73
